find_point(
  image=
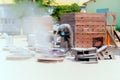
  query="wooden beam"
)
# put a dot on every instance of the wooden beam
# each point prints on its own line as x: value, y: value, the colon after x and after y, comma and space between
x: 112, y: 38
x: 117, y: 35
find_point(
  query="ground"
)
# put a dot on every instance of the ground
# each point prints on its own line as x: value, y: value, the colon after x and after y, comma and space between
x: 69, y: 69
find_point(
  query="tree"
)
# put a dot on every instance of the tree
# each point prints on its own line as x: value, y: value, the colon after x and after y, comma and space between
x: 59, y: 10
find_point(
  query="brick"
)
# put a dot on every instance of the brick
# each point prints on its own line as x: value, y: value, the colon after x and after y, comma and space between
x: 86, y: 26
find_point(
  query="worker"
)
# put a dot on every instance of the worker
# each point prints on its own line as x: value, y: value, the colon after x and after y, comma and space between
x: 65, y: 35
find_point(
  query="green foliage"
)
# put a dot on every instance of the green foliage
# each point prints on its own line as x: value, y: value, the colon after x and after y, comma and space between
x: 38, y: 0
x: 59, y: 10
x: 75, y: 8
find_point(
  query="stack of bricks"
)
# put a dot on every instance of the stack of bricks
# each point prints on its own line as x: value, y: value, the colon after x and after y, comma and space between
x: 86, y: 26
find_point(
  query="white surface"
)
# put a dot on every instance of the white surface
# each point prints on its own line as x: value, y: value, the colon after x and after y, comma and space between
x: 101, y: 49
x: 30, y: 69
x: 83, y: 49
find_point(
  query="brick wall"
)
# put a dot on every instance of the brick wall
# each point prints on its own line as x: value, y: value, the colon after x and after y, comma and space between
x: 86, y: 26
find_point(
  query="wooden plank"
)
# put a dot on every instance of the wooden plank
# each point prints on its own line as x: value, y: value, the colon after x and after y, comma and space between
x: 112, y: 38
x: 117, y: 35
